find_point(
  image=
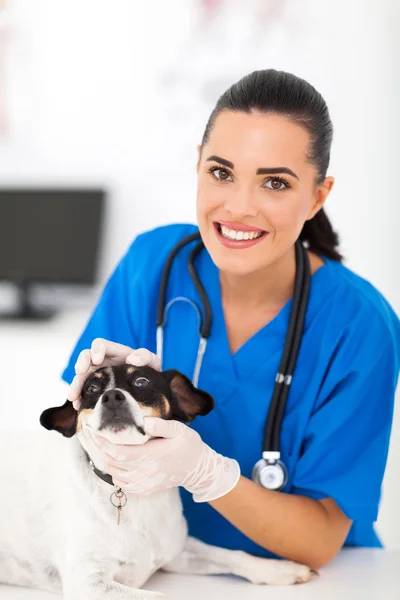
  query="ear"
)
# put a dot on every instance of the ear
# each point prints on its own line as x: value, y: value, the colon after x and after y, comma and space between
x: 61, y: 418
x: 189, y: 402
x: 321, y: 195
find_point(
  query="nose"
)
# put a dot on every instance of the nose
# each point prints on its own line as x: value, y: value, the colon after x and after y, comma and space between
x: 241, y: 204
x: 113, y: 399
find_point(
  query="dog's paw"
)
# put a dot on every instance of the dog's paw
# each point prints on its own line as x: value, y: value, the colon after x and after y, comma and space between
x: 275, y: 572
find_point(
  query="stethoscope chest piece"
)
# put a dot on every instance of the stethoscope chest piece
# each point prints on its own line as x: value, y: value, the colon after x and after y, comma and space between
x: 270, y: 474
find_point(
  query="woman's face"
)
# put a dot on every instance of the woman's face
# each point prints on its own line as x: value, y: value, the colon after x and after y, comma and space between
x: 236, y: 187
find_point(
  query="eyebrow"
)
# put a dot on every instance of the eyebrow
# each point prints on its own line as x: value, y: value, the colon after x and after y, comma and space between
x: 263, y: 171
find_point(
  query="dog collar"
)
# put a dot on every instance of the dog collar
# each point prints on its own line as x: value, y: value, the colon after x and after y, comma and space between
x: 104, y: 476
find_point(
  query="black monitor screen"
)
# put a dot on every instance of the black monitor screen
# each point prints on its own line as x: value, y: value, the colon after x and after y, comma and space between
x: 50, y: 235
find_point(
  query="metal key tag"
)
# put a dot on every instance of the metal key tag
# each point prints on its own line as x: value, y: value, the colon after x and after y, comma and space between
x: 119, y: 494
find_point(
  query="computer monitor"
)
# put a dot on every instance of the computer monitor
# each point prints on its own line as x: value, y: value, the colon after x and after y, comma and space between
x: 48, y: 235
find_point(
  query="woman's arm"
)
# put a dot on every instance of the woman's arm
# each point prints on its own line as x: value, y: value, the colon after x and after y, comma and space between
x: 298, y: 528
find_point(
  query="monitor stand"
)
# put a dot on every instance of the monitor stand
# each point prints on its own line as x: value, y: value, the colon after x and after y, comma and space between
x: 26, y: 311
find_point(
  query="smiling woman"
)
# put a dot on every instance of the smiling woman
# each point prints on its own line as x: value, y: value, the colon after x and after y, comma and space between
x: 262, y: 185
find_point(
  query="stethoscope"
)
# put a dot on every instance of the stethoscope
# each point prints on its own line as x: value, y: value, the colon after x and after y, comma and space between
x: 269, y: 472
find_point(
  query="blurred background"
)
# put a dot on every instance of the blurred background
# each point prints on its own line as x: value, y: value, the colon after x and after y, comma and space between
x: 101, y: 108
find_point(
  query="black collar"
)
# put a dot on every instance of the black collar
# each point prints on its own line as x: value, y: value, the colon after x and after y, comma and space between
x: 104, y: 476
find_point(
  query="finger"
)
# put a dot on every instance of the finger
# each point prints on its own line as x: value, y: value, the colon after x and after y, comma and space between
x: 76, y: 404
x: 113, y: 453
x: 128, y: 478
x: 139, y: 482
x: 92, y: 436
x: 118, y: 472
x: 128, y: 453
x: 97, y: 438
x: 104, y: 349
x: 75, y: 389
x: 136, y: 490
x: 147, y: 484
x: 98, y: 351
x: 157, y: 427
x: 83, y: 363
x: 110, y: 352
x: 143, y: 357
x: 91, y: 445
x: 141, y: 465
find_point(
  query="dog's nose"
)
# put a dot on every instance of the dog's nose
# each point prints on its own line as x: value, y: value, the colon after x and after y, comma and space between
x: 113, y: 399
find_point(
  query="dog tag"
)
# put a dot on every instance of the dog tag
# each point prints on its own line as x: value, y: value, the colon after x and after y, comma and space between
x: 118, y: 495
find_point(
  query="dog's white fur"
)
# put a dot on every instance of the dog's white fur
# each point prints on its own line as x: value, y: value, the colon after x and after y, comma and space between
x: 58, y: 528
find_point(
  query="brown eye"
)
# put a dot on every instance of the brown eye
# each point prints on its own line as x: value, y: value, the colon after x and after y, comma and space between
x: 277, y: 184
x: 93, y: 388
x: 223, y: 174
x: 220, y: 174
x: 141, y: 382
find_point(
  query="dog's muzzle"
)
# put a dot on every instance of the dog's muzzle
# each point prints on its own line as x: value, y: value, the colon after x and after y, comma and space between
x: 115, y: 411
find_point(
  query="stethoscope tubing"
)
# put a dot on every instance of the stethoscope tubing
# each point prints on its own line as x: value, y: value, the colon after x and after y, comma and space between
x: 291, y: 349
x: 283, y: 380
x: 165, y: 275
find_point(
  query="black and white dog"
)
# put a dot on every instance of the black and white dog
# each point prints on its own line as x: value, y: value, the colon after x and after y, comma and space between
x: 58, y: 528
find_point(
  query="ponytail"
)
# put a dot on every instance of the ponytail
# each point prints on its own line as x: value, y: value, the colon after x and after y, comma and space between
x: 320, y: 236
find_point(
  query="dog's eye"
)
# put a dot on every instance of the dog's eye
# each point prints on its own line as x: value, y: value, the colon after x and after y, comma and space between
x: 141, y: 382
x: 93, y: 388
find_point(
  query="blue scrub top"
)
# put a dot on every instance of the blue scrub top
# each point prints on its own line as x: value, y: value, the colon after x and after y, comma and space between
x: 338, y: 418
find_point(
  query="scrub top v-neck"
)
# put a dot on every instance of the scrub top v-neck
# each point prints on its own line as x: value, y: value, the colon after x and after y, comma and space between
x: 336, y: 429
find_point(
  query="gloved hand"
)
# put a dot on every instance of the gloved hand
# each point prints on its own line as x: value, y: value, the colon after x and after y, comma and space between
x: 106, y: 354
x: 182, y: 459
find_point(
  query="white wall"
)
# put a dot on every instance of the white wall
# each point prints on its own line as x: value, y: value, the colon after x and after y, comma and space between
x: 119, y: 93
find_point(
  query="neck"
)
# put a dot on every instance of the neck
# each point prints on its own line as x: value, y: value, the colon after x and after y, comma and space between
x: 101, y: 474
x: 270, y: 288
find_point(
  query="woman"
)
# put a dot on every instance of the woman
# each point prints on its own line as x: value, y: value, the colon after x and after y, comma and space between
x: 262, y: 167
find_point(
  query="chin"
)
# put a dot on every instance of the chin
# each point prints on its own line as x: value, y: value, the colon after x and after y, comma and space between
x: 130, y: 435
x: 230, y: 261
x: 127, y: 435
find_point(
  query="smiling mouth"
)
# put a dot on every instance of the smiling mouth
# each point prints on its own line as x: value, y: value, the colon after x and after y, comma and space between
x: 237, y: 234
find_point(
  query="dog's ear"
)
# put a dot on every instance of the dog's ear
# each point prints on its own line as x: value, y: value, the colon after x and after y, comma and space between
x: 61, y: 418
x: 188, y: 401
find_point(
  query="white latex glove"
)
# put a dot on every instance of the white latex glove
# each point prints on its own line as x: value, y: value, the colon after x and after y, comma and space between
x: 183, y: 459
x: 106, y: 354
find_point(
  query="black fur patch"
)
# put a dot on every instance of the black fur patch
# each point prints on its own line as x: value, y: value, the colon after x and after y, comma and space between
x: 170, y: 395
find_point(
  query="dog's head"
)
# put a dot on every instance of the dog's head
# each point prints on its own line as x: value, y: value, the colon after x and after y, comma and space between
x: 115, y: 400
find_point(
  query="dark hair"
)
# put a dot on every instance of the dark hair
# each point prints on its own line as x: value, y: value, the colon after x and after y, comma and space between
x: 278, y: 92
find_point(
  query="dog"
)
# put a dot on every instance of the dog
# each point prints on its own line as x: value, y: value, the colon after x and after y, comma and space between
x: 59, y: 529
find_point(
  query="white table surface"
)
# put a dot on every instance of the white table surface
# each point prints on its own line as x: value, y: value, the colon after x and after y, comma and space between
x: 355, y: 574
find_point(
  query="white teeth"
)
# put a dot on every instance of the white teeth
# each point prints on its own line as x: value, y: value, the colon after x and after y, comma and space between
x: 232, y: 234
